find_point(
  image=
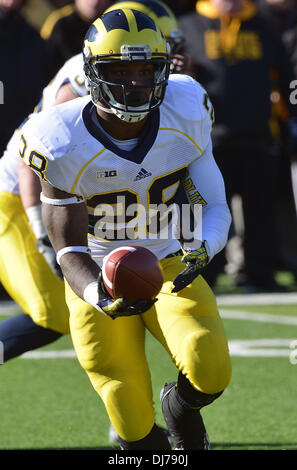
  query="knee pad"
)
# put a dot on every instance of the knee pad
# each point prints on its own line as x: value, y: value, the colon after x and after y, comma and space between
x: 192, y: 397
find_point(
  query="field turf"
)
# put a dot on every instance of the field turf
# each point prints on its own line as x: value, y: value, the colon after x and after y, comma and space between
x: 48, y: 403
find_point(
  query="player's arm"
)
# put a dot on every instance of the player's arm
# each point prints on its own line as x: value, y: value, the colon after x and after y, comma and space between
x: 205, y: 181
x: 67, y: 226
x: 66, y: 221
x: 30, y: 188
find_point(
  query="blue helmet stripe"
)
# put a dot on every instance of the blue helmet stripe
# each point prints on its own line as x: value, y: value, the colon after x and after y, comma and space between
x: 115, y: 19
x: 143, y: 21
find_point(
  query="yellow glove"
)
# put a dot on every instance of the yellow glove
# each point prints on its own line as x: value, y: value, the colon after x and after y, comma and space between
x: 122, y: 308
x: 195, y: 260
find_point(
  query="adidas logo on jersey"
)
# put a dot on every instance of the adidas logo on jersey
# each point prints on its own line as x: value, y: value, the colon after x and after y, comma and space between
x: 142, y: 174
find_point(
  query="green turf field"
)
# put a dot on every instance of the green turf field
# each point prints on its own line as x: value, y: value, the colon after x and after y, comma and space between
x: 48, y: 403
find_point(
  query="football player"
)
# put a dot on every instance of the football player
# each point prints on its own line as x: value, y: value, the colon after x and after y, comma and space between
x: 134, y: 142
x: 29, y: 271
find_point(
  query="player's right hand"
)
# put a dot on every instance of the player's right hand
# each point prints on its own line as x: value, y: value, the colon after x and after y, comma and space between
x: 44, y: 247
x: 120, y: 307
x: 195, y: 260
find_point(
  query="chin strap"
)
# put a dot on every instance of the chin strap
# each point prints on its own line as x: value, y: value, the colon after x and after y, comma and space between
x: 122, y: 115
x: 116, y: 108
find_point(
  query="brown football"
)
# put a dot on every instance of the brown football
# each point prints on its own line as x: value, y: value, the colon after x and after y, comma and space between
x: 133, y: 273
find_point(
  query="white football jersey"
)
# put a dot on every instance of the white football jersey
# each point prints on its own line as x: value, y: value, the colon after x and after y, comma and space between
x: 129, y: 194
x: 72, y: 72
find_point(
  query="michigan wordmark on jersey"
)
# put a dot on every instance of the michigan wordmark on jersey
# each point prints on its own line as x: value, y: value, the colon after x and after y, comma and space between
x: 130, y: 195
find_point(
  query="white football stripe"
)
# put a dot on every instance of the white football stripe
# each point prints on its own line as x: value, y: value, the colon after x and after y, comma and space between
x: 128, y: 248
x: 105, y: 278
x: 104, y: 275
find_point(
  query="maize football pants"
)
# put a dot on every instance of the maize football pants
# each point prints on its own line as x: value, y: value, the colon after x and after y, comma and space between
x: 112, y: 352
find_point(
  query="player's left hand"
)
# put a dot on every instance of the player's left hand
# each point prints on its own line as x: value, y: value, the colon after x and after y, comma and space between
x: 195, y: 260
x: 44, y: 247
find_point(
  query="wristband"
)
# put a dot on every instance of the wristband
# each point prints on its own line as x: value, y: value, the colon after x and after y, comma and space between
x: 91, y: 295
x: 72, y: 249
x: 60, y: 202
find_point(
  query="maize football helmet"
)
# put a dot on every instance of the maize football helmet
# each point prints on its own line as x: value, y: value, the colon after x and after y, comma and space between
x: 162, y: 15
x: 125, y: 36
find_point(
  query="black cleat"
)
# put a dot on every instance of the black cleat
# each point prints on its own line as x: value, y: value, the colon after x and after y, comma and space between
x: 187, y: 429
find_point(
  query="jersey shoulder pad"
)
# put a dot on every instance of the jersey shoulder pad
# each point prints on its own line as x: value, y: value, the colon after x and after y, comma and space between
x: 187, y: 107
x: 187, y: 96
x: 48, y: 137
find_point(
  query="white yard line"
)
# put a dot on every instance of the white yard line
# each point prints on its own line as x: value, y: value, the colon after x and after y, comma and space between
x: 269, y: 347
x: 289, y: 298
x: 258, y: 317
x: 263, y: 347
x: 62, y: 354
x: 9, y: 307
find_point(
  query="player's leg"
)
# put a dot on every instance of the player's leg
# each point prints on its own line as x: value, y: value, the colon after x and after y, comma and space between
x: 23, y: 271
x: 112, y: 352
x: 20, y: 334
x: 189, y: 326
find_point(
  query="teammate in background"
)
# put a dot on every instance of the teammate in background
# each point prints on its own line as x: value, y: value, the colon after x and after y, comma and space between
x: 129, y: 124
x: 29, y: 271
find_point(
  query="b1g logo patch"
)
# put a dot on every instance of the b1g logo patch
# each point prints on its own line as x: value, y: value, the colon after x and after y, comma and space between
x: 106, y: 174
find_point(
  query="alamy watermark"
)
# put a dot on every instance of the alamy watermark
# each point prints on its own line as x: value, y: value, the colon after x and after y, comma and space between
x: 293, y: 94
x: 156, y: 221
x: 1, y: 93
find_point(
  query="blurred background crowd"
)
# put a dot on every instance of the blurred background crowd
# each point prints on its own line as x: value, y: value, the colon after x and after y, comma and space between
x: 244, y: 52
